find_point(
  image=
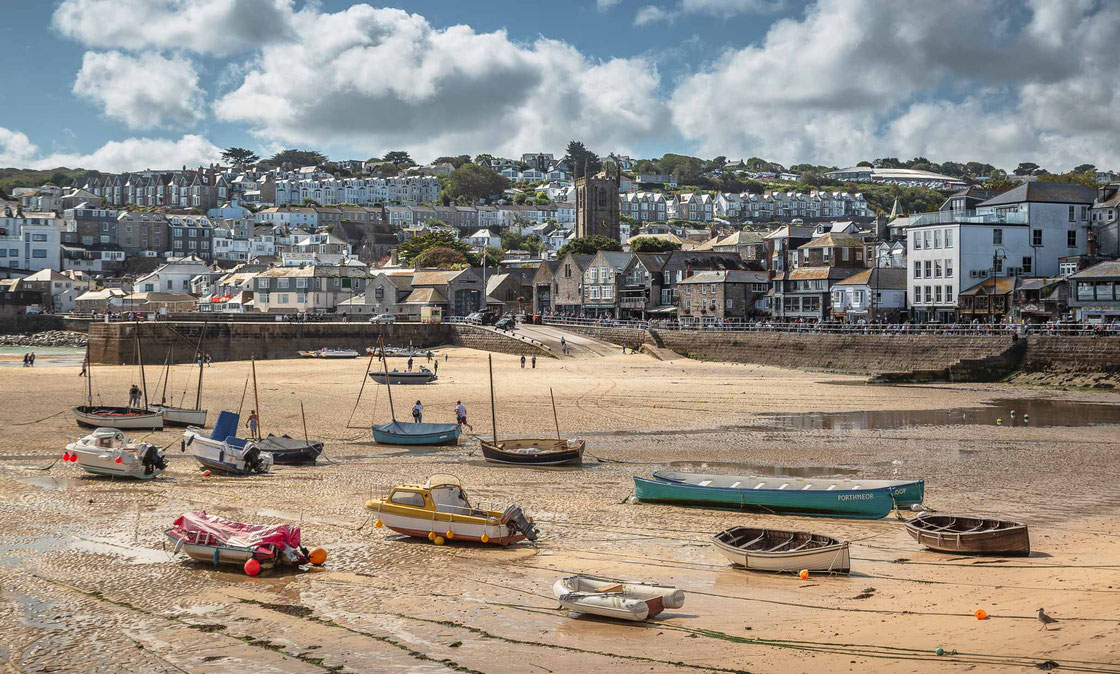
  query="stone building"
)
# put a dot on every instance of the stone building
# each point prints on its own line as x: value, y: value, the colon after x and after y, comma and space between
x: 597, y: 204
x: 717, y: 295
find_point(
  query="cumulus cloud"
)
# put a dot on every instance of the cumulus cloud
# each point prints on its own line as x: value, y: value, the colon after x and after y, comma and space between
x: 950, y: 80
x: 718, y: 8
x: 605, y: 5
x: 131, y: 154
x: 380, y: 79
x: 143, y: 91
x: 219, y: 27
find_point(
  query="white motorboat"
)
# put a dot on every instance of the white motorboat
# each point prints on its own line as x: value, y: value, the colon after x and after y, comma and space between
x: 180, y: 416
x: 108, y: 451
x: 223, y: 451
x: 624, y: 600
x: 774, y: 550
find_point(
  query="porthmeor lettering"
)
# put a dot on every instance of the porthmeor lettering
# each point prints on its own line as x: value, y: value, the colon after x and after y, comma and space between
x: 855, y: 497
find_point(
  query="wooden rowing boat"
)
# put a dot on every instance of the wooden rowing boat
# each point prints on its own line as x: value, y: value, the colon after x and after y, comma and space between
x: 776, y: 550
x: 626, y: 600
x: 970, y: 535
x: 863, y: 499
x: 533, y: 452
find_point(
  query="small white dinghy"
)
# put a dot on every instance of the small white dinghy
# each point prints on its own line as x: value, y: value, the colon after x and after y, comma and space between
x: 622, y: 600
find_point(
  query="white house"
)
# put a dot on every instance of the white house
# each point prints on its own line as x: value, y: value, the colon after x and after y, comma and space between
x: 872, y: 294
x: 30, y: 242
x: 176, y: 275
x: 1021, y: 232
x: 484, y: 238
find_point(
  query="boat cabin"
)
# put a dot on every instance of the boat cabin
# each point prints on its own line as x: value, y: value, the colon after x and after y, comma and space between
x: 444, y: 497
x: 108, y: 438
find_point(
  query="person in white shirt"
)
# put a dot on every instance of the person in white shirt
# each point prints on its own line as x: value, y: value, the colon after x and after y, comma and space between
x: 461, y: 415
x: 418, y: 412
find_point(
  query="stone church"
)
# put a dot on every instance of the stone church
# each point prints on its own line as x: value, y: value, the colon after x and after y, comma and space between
x: 597, y: 203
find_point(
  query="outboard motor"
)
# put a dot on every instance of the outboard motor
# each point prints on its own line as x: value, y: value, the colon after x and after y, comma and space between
x: 151, y: 458
x: 252, y: 457
x: 515, y: 520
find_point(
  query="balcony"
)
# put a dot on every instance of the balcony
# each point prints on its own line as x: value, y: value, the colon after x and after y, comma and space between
x: 968, y: 217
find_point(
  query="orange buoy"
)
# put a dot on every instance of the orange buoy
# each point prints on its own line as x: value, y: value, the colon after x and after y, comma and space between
x: 450, y: 534
x: 378, y: 524
x: 317, y: 556
x: 804, y: 574
x: 981, y: 614
x: 205, y: 473
x: 485, y: 538
x: 438, y: 540
x: 252, y: 567
x: 431, y: 535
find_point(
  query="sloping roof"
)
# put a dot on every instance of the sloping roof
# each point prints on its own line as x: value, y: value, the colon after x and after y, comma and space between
x: 741, y: 238
x: 817, y: 273
x: 881, y: 278
x: 728, y: 276
x: 434, y: 277
x: 652, y: 261
x: 425, y: 296
x: 399, y: 281
x: 1108, y: 269
x: 1001, y: 286
x: 833, y: 239
x: 615, y: 259
x: 1039, y: 283
x: 1038, y: 192
x: 494, y: 281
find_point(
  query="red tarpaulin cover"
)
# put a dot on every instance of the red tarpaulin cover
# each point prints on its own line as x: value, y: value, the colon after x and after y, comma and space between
x: 237, y: 534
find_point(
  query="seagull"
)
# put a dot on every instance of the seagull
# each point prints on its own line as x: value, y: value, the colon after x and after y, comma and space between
x: 1045, y: 620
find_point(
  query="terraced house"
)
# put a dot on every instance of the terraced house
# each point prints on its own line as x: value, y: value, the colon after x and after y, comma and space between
x: 308, y: 289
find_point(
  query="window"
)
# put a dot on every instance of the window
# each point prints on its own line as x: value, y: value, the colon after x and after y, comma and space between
x: 593, y: 292
x: 917, y: 269
x: 729, y: 304
x: 1072, y: 211
x: 1071, y: 238
x: 937, y: 268
x: 998, y: 264
x: 948, y: 267
x: 949, y: 294
x: 917, y: 241
x: 997, y: 237
x: 929, y: 268
x: 282, y: 298
x: 409, y: 498
x: 282, y: 283
x: 1085, y: 291
x: 859, y: 298
x: 929, y: 294
x: 39, y: 253
x: 301, y: 283
x: 937, y: 238
x: 608, y: 292
x: 1027, y: 264
x: 925, y: 239
x: 845, y: 254
x: 38, y: 237
x: 1067, y: 268
x: 1036, y: 237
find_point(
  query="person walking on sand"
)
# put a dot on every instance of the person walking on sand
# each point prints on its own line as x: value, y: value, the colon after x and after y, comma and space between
x: 523, y: 362
x: 134, y: 396
x: 27, y: 359
x: 436, y: 364
x: 461, y: 415
x: 31, y: 359
x: 430, y: 356
x: 418, y: 413
x: 254, y: 423
x: 534, y: 362
x: 208, y: 360
x: 410, y: 363
x: 83, y: 372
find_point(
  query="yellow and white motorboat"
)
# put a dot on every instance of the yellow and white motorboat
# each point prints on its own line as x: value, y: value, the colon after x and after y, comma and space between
x: 439, y: 511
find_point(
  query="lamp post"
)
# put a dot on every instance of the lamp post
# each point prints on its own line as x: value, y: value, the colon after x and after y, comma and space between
x: 996, y: 260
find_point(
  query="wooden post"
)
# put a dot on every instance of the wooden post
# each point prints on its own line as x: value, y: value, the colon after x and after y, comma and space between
x: 554, y: 417
x: 493, y: 413
x: 140, y: 360
x: 256, y: 400
x: 304, y: 417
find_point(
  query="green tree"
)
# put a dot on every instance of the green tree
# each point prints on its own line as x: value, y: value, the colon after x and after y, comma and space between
x: 1084, y: 179
x: 399, y: 157
x: 542, y: 199
x: 514, y: 240
x: 471, y: 182
x: 297, y: 158
x: 493, y: 258
x: 413, y: 246
x: 866, y: 163
x: 455, y: 161
x: 440, y: 257
x: 589, y: 245
x: 483, y: 159
x: 520, y: 198
x: 581, y: 160
x: 1027, y: 168
x: 1085, y: 168
x: 239, y: 155
x: 652, y: 244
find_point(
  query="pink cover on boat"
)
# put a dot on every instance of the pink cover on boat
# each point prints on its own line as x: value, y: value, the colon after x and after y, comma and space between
x: 237, y: 534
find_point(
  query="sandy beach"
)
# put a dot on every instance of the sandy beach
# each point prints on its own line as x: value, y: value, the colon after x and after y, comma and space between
x: 88, y: 584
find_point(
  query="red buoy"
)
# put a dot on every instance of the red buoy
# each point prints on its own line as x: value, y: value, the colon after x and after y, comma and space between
x: 252, y: 567
x: 66, y: 456
x: 118, y: 459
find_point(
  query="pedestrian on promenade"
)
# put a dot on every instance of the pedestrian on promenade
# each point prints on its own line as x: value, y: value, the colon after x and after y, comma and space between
x: 523, y: 362
x: 254, y: 424
x: 534, y: 362
x: 418, y: 412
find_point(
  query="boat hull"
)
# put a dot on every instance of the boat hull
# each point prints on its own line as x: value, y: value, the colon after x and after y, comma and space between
x: 290, y: 451
x: 117, y: 417
x: 500, y: 453
x: 404, y: 378
x: 403, y: 433
x: 222, y: 457
x: 102, y: 463
x: 419, y: 527
x: 1009, y: 539
x: 832, y: 558
x: 618, y: 600
x: 861, y: 504
x: 180, y: 416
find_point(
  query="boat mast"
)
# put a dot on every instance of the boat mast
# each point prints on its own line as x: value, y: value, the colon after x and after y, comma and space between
x: 198, y: 351
x: 554, y: 417
x: 140, y: 359
x: 89, y: 378
x: 388, y: 386
x: 256, y: 400
x: 166, y: 376
x: 493, y: 413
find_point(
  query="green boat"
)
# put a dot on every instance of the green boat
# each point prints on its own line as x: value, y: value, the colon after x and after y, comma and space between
x: 862, y: 499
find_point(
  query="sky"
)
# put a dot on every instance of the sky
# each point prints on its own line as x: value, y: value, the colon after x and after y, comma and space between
x: 120, y: 85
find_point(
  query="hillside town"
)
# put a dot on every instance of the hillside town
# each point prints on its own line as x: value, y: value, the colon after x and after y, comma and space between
x: 614, y: 245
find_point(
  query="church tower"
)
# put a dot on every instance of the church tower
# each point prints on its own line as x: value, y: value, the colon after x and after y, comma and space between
x: 597, y: 203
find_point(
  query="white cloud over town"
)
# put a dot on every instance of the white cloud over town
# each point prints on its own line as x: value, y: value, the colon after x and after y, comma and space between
x: 143, y: 91
x: 844, y: 80
x: 131, y: 154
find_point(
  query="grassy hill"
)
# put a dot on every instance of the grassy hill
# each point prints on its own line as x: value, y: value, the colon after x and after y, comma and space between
x: 10, y: 178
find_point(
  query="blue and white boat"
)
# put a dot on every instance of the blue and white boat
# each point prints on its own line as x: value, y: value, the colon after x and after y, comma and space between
x: 863, y: 499
x: 404, y: 433
x: 223, y: 451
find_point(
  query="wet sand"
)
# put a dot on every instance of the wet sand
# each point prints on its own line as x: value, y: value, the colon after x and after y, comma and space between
x: 86, y: 583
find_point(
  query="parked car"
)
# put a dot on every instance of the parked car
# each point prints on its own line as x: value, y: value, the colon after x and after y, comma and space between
x: 481, y: 318
x: 383, y: 318
x: 506, y: 323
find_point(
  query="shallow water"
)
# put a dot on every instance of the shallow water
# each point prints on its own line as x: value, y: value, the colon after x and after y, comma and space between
x: 1026, y: 412
x: 45, y: 356
x: 763, y: 469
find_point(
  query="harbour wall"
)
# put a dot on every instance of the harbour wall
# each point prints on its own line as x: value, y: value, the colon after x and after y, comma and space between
x: 115, y: 343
